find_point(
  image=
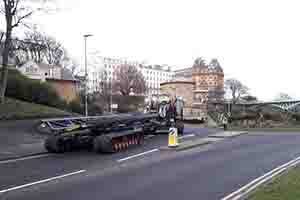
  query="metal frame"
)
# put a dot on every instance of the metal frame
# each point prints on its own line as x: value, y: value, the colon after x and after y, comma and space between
x: 61, y: 124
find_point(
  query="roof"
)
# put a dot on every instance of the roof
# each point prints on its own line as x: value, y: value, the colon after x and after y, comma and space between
x: 213, y: 67
x: 176, y: 82
x: 46, y: 66
x: 80, y: 78
x: 61, y: 80
x: 157, y: 67
x: 183, y: 70
x: 66, y: 74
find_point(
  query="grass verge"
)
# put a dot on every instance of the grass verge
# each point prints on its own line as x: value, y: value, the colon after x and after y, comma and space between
x: 278, y: 129
x: 284, y: 187
x: 16, y: 110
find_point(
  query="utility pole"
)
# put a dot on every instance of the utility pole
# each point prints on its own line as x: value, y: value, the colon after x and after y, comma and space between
x: 86, y: 74
x: 110, y: 83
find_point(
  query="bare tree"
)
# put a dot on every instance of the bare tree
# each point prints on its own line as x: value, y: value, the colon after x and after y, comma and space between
x: 15, y: 12
x: 1, y: 36
x: 128, y: 79
x: 34, y: 42
x: 55, y: 50
x: 236, y: 89
x: 104, y: 90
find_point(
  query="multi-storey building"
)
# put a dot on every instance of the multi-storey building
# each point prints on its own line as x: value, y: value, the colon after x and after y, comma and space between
x: 153, y: 74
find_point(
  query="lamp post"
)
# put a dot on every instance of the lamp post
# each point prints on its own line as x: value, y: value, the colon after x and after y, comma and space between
x: 86, y: 73
x: 110, y: 85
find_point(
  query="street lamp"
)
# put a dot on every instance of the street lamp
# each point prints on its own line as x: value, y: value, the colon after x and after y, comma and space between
x: 86, y: 73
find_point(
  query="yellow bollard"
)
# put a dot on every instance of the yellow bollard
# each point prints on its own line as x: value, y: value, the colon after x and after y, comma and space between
x: 173, y: 137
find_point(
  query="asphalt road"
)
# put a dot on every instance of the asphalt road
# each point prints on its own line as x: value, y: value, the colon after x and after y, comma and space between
x: 209, y: 172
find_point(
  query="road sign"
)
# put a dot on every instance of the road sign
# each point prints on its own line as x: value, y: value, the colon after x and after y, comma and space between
x: 173, y: 137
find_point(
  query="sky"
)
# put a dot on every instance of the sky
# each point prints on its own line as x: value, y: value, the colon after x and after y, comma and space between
x: 255, y: 41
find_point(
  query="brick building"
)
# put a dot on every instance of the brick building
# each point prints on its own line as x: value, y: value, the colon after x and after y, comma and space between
x: 205, y: 84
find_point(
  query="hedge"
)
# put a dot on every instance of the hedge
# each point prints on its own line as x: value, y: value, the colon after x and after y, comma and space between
x: 23, y: 88
x: 128, y: 103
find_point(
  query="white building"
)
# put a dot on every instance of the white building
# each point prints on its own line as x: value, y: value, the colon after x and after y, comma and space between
x: 40, y: 71
x: 153, y: 74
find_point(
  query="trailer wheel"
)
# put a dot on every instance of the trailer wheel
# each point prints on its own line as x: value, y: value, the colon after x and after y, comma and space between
x: 103, y: 144
x: 55, y: 144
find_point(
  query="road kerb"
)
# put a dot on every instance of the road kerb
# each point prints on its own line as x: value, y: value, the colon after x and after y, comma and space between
x: 228, y: 134
x: 189, y: 144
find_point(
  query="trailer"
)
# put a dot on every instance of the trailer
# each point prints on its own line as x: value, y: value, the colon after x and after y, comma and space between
x: 111, y: 133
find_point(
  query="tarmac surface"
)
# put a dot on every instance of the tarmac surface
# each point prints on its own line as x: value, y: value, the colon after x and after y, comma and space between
x: 206, y: 172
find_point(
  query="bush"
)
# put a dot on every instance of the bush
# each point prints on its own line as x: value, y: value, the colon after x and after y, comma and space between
x: 95, y: 109
x: 128, y: 103
x: 296, y: 116
x: 23, y: 88
x: 76, y: 107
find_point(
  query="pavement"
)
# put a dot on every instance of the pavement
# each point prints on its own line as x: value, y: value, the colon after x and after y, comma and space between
x: 209, y: 172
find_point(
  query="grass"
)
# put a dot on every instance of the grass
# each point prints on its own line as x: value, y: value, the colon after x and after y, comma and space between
x: 284, y: 187
x: 15, y: 110
x: 277, y: 129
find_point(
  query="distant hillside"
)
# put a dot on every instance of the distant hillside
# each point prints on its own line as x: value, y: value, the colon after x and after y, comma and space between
x: 15, y: 109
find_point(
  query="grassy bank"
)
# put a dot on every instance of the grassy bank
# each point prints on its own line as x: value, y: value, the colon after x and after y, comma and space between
x: 15, y: 110
x: 285, y: 187
x: 277, y: 129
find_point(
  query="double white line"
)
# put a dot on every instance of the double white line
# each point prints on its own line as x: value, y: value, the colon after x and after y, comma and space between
x: 260, y: 180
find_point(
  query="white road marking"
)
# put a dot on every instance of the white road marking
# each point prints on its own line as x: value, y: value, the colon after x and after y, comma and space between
x: 256, y: 182
x: 25, y: 158
x: 41, y: 181
x: 187, y: 136
x: 137, y: 155
x: 267, y: 179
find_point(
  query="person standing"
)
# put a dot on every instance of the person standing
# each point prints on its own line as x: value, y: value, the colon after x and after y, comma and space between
x: 225, y: 123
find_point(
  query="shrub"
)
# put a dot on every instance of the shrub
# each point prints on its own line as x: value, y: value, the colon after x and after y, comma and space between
x: 95, y: 109
x: 23, y: 88
x: 76, y: 107
x: 128, y: 103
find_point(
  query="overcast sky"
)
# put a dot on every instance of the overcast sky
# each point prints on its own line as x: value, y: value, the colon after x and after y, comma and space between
x: 256, y: 41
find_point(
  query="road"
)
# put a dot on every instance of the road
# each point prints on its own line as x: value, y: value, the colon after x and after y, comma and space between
x: 209, y: 172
